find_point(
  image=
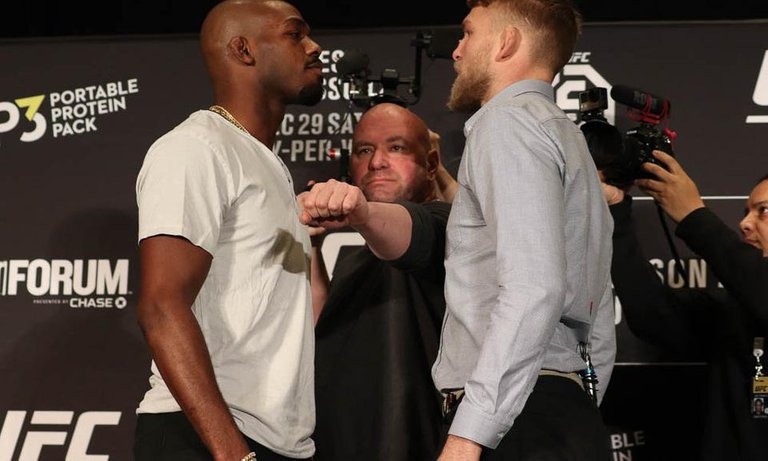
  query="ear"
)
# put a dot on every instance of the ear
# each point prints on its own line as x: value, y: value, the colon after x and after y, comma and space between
x: 509, y: 43
x: 432, y: 162
x: 241, y: 50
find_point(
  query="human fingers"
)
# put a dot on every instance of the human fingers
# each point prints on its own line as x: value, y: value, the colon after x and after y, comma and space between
x: 612, y: 194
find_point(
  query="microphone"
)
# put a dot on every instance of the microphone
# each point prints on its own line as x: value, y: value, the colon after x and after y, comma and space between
x: 655, y: 106
x: 354, y: 62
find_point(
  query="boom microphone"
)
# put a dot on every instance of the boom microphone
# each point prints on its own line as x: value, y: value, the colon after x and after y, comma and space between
x: 647, y: 103
x: 353, y: 62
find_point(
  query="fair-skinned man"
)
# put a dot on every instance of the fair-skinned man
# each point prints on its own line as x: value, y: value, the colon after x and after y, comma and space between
x: 528, y: 252
x: 230, y: 338
x: 378, y: 326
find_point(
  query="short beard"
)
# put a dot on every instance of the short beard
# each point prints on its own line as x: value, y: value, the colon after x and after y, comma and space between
x: 467, y: 93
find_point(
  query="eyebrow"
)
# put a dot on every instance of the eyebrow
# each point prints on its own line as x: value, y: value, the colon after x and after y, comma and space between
x: 754, y: 205
x: 397, y: 138
x: 294, y: 21
x: 389, y: 140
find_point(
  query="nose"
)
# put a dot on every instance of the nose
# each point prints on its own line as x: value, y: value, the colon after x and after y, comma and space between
x: 746, y: 225
x: 456, y: 55
x: 312, y: 47
x: 379, y: 160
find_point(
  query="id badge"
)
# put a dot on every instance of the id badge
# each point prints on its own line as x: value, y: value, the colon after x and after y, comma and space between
x: 760, y: 397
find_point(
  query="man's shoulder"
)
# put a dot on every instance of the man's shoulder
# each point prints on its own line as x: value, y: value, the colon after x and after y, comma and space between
x: 197, y: 127
x: 436, y: 205
x: 433, y: 207
x: 201, y: 137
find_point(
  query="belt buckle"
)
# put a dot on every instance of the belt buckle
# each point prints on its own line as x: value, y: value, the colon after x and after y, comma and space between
x: 451, y: 400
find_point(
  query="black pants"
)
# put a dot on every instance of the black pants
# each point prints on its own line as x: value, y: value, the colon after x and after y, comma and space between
x: 558, y: 423
x: 171, y: 437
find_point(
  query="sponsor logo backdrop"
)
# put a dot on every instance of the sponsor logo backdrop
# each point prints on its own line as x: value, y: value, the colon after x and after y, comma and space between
x: 77, y: 116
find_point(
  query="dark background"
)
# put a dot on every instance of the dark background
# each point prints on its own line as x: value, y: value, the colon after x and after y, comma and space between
x: 73, y: 197
x: 51, y: 18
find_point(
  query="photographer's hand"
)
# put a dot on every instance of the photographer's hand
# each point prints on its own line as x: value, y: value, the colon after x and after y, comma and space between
x: 673, y: 189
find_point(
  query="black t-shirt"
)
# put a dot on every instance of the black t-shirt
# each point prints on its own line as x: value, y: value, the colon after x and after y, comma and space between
x: 376, y: 340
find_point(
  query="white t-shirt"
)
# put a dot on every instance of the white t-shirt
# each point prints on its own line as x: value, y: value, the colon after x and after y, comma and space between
x: 227, y: 193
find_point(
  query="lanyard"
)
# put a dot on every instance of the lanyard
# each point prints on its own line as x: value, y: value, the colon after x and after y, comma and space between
x: 759, y: 382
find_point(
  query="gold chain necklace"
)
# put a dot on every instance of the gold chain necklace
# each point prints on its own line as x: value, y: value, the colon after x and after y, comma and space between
x: 231, y: 119
x: 228, y: 117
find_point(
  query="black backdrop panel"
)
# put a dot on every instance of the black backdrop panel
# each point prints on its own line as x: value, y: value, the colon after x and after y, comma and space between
x: 77, y: 116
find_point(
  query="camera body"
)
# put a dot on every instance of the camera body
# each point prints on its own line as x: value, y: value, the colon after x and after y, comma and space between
x: 620, y: 155
x: 645, y: 138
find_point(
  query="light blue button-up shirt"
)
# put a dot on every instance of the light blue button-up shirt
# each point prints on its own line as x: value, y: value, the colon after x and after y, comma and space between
x: 528, y: 260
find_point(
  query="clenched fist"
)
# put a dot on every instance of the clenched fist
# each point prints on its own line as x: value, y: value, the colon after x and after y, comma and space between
x: 333, y: 205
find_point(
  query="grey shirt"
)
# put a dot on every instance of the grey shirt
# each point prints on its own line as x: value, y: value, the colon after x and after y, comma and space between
x: 528, y: 257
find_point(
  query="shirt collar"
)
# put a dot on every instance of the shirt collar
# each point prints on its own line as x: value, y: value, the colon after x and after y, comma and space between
x: 515, y: 89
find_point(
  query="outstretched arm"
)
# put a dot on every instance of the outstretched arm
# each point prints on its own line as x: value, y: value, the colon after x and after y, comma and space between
x: 318, y: 275
x: 673, y: 189
x: 386, y: 227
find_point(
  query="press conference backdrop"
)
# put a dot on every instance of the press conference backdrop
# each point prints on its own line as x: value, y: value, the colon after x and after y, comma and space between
x: 77, y: 117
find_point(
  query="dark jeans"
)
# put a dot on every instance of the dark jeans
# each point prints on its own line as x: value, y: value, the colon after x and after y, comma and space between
x: 171, y: 437
x: 558, y: 423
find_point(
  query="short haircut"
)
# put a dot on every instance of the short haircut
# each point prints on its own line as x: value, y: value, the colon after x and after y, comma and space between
x: 557, y: 21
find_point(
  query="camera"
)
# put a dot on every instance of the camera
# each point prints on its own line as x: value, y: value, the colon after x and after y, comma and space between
x: 646, y: 138
x: 367, y: 90
x: 620, y: 156
x: 593, y: 103
x: 606, y: 143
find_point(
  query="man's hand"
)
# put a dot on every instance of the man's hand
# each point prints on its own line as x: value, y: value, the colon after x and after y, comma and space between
x: 673, y: 189
x: 333, y: 205
x: 460, y: 449
x: 612, y: 194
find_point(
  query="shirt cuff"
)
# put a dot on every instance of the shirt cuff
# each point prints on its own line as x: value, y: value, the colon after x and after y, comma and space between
x: 473, y: 424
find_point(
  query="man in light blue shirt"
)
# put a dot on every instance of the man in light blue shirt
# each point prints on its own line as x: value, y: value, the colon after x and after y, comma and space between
x: 528, y: 249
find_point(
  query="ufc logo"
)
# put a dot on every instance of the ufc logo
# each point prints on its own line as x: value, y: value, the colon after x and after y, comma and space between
x: 575, y: 78
x: 33, y: 439
x: 760, y: 96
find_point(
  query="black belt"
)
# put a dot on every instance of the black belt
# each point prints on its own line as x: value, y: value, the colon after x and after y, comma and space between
x: 452, y: 397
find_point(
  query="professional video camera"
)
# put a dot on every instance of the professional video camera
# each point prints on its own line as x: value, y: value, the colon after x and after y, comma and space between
x: 620, y: 157
x: 650, y: 111
x: 606, y: 143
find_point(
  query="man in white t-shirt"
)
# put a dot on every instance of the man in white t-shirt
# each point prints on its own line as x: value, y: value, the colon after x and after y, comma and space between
x: 225, y: 302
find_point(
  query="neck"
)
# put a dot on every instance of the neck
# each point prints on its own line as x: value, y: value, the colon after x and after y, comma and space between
x: 261, y: 124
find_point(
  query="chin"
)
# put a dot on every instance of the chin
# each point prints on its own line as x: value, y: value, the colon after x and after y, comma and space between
x: 381, y: 196
x: 311, y: 95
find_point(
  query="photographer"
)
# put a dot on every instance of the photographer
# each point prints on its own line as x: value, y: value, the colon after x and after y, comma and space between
x: 719, y: 327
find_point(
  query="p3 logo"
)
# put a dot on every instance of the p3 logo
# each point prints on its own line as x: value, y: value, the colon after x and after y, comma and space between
x: 12, y: 111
